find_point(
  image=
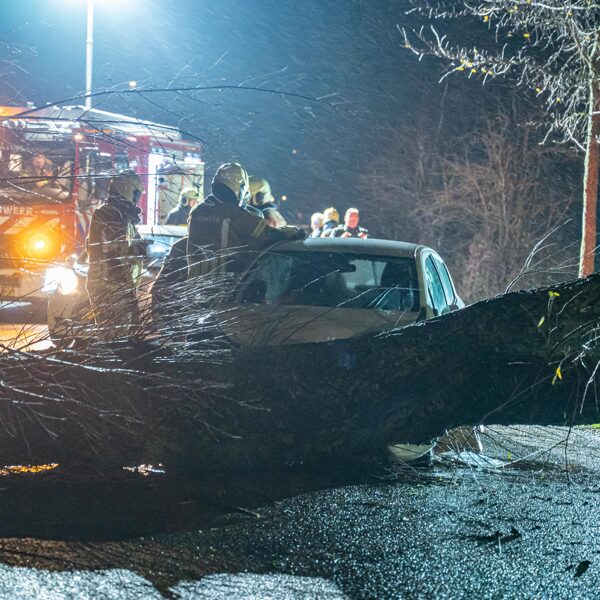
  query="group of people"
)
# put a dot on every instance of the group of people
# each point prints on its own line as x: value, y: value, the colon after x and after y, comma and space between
x: 238, y: 219
x: 327, y: 224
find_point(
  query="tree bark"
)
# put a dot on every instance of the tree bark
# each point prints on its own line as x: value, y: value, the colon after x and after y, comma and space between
x: 590, y: 192
x: 524, y: 357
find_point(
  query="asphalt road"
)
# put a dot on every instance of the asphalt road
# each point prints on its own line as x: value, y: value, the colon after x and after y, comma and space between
x: 520, y: 521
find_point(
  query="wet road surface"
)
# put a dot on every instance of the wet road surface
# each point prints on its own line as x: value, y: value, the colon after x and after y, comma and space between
x: 23, y: 327
x: 521, y: 521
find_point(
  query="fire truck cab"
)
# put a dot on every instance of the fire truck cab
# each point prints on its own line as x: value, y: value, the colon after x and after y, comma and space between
x: 55, y: 164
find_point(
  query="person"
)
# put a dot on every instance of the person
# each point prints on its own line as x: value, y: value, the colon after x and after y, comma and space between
x: 180, y: 214
x: 41, y: 170
x: 262, y: 199
x: 115, y: 251
x: 316, y: 224
x: 351, y: 227
x: 223, y: 232
x: 331, y: 221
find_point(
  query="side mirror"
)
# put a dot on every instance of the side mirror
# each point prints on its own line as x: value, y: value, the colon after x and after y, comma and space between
x: 450, y: 308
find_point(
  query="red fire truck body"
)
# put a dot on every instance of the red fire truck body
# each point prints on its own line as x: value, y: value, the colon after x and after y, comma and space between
x: 55, y: 164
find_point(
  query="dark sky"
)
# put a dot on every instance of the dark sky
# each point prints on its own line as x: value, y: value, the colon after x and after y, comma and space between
x: 310, y: 151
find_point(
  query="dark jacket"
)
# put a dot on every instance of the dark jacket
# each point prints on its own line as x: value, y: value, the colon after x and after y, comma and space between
x: 328, y: 227
x: 345, y: 231
x: 224, y: 237
x: 173, y: 271
x: 178, y: 215
x: 111, y: 246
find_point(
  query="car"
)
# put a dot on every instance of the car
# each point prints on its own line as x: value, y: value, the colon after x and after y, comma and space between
x: 323, y: 289
x: 68, y: 304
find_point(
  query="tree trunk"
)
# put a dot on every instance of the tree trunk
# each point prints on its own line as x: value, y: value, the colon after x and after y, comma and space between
x: 524, y: 357
x: 590, y: 192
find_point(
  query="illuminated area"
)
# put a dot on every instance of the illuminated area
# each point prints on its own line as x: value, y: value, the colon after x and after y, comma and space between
x: 62, y: 279
x: 27, y: 469
x: 40, y: 246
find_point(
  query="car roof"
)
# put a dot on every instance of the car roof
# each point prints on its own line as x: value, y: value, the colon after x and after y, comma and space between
x: 172, y: 230
x: 351, y: 245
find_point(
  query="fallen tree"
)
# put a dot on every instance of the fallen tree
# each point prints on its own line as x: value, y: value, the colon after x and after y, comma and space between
x: 524, y: 357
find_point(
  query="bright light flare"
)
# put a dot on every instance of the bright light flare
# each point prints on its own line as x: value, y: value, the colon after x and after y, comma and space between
x: 62, y: 279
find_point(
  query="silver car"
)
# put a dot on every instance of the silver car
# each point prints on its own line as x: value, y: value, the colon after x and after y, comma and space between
x: 318, y: 290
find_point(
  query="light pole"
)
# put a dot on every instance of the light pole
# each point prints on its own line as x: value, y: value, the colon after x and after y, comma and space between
x: 89, y: 50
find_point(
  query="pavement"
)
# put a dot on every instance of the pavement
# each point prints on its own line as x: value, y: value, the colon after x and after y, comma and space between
x: 520, y: 520
x: 23, y: 327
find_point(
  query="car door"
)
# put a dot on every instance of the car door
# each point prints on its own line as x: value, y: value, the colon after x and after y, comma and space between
x: 437, y: 301
x: 452, y: 297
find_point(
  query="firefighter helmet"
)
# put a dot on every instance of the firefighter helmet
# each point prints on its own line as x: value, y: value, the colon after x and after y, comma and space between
x: 234, y: 176
x: 128, y: 185
x: 331, y: 214
x: 187, y: 194
x: 260, y: 192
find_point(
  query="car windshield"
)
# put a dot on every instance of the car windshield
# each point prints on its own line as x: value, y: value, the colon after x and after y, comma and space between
x: 333, y: 279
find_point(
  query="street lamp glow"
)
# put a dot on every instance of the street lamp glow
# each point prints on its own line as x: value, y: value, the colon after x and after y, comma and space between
x: 133, y: 84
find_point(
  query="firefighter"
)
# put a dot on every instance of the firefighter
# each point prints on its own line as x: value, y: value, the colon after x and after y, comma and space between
x: 223, y: 232
x: 262, y: 199
x: 187, y: 200
x: 331, y: 220
x: 351, y: 228
x: 115, y: 253
x: 316, y: 225
x: 42, y: 170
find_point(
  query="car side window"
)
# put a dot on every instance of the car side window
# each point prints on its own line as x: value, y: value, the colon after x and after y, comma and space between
x: 435, y: 288
x: 446, y: 281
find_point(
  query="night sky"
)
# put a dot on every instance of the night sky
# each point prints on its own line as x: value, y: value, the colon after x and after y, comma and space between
x: 310, y: 151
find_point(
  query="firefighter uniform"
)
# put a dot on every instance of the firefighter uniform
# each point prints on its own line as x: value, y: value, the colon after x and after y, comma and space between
x: 115, y: 253
x: 263, y: 200
x: 180, y: 214
x: 224, y: 235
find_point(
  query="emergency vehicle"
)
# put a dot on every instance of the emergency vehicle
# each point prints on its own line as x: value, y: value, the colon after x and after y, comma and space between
x: 55, y: 165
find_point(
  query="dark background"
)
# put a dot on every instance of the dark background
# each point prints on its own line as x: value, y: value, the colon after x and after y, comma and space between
x: 312, y: 152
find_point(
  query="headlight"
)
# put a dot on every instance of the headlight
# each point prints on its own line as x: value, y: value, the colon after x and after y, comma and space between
x: 61, y: 278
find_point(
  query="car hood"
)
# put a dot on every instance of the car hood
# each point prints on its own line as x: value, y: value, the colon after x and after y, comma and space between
x: 264, y: 325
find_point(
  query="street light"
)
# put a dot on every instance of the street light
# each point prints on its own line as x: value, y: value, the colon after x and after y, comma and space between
x: 89, y: 50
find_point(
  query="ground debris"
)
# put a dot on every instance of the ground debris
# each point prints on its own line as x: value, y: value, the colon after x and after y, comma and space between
x: 497, y: 536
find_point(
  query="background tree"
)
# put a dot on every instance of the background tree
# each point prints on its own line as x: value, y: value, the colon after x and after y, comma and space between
x: 550, y: 47
x: 484, y: 198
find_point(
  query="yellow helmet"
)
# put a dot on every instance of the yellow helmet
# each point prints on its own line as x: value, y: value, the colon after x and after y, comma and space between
x: 187, y: 194
x: 234, y: 176
x: 331, y: 214
x: 260, y: 192
x: 127, y: 185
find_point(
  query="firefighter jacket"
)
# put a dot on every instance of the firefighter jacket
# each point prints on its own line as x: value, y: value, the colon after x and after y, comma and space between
x: 224, y: 237
x: 114, y: 247
x: 272, y: 215
x: 178, y: 215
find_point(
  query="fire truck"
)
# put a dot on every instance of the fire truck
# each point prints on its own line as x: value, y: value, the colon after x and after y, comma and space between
x: 55, y: 165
